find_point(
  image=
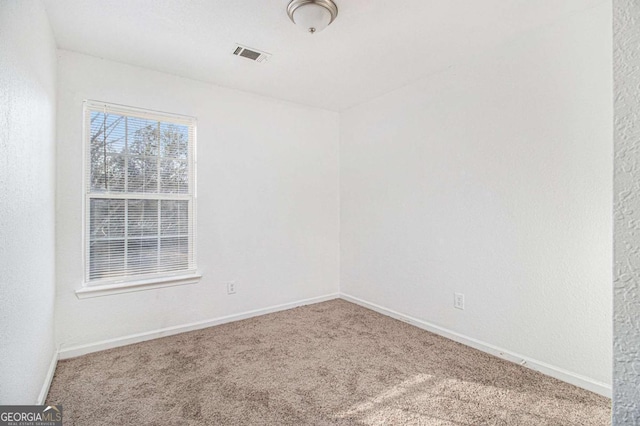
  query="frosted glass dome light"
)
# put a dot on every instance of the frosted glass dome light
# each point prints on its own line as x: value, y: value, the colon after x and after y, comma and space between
x: 312, y: 15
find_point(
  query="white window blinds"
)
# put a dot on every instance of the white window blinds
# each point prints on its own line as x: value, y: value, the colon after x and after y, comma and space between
x: 140, y: 194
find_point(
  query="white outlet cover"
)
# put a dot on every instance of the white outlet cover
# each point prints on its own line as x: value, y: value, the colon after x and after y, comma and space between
x: 231, y: 287
x: 458, y: 300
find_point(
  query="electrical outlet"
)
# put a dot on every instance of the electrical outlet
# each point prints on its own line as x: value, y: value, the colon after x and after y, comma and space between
x: 231, y: 287
x: 458, y: 301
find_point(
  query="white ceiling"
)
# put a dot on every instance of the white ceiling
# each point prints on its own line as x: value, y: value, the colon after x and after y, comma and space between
x: 373, y: 47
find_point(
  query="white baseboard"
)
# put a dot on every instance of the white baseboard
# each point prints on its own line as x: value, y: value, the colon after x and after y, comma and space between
x: 74, y: 351
x: 556, y: 372
x: 47, y: 380
x: 550, y: 370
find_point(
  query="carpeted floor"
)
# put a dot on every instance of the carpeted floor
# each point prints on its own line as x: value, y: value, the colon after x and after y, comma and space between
x: 333, y: 363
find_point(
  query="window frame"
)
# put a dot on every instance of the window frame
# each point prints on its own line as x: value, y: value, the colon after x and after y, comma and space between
x: 136, y: 282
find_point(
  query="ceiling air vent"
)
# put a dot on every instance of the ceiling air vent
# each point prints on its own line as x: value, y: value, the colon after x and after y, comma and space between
x: 251, y: 53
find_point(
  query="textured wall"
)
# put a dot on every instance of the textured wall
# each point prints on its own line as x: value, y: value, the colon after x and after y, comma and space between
x: 27, y: 159
x: 493, y: 178
x: 626, y: 398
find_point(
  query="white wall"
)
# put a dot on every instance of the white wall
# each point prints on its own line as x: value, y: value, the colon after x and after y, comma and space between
x: 493, y: 179
x: 27, y: 192
x: 268, y: 201
x: 626, y: 352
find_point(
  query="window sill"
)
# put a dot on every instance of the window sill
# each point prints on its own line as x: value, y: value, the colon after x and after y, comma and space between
x: 131, y: 286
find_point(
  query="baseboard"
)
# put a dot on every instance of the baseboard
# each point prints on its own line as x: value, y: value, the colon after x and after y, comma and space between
x: 550, y: 370
x: 74, y: 351
x: 47, y: 380
x: 544, y: 368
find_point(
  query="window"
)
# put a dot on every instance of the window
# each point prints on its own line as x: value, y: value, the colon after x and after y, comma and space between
x: 139, y: 194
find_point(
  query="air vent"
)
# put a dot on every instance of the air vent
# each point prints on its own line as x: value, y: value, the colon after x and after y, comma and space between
x: 251, y: 53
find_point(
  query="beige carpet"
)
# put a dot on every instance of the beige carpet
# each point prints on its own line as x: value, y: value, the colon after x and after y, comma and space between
x: 332, y: 363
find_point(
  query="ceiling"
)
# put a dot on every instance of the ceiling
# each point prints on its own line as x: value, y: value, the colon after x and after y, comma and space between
x: 373, y: 47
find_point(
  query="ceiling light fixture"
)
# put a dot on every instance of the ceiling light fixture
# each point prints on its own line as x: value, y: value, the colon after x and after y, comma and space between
x: 312, y: 15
